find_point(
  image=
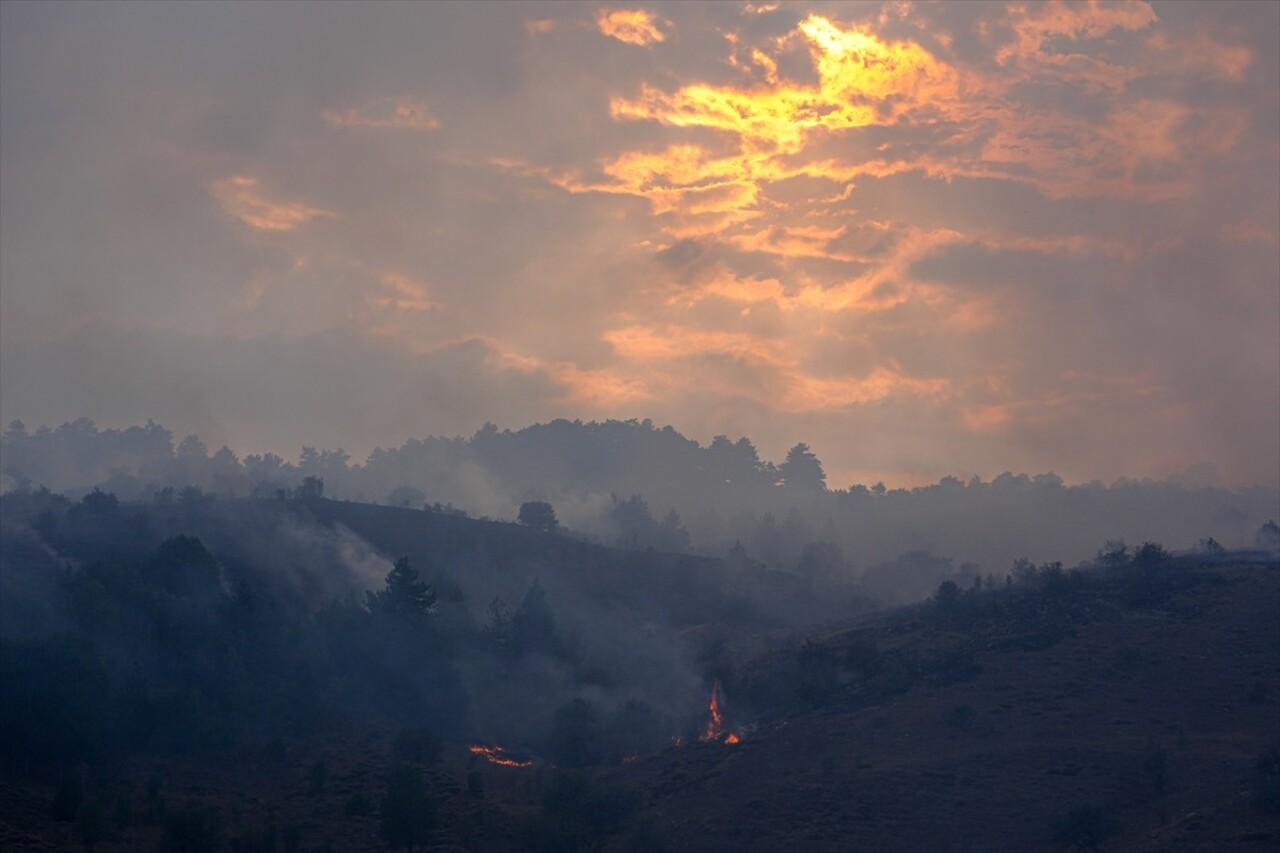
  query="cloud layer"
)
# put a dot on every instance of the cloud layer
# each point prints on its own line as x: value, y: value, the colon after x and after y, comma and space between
x: 926, y: 239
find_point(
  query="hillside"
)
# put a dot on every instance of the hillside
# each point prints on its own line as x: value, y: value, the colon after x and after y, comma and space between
x: 978, y: 720
x: 1151, y: 702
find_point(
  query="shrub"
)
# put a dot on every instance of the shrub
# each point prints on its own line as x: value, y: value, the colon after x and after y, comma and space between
x: 318, y: 778
x: 91, y: 823
x: 1114, y: 553
x: 1156, y: 764
x: 1150, y: 554
x: 960, y: 718
x: 191, y: 829
x: 416, y: 746
x: 408, y: 814
x: 1266, y: 781
x: 358, y: 806
x: 1084, y: 828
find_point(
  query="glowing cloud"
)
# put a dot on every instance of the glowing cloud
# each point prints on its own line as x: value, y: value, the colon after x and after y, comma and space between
x: 863, y: 81
x: 1037, y: 25
x: 243, y: 198
x: 540, y: 26
x: 399, y: 113
x: 632, y: 26
x: 401, y: 293
x: 779, y: 378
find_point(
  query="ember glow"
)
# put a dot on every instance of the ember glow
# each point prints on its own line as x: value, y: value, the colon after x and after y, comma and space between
x: 499, y: 755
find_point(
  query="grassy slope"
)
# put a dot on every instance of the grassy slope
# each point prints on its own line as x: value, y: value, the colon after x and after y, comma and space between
x: 1197, y: 673
x: 1065, y: 706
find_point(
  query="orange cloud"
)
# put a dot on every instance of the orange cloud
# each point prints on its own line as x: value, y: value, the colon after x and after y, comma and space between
x: 1081, y: 394
x: 540, y: 26
x: 398, y: 113
x: 243, y: 198
x: 648, y: 343
x: 863, y: 80
x: 402, y: 294
x: 632, y: 26
x: 815, y: 394
x: 602, y: 388
x: 777, y: 377
x: 1055, y: 19
x: 1067, y: 157
x: 1200, y: 52
x: 770, y: 125
x: 605, y: 389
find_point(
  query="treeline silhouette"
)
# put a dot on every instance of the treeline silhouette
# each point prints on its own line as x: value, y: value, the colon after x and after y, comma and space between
x: 633, y: 484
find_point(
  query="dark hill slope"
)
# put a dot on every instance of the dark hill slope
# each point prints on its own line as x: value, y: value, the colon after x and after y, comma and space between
x: 490, y: 555
x: 1148, y: 698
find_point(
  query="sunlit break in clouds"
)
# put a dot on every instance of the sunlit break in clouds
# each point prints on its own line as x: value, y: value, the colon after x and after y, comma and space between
x: 925, y: 239
x: 632, y: 26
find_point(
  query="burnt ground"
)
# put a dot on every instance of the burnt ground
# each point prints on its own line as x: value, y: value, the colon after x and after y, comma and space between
x: 1043, y: 715
x: 978, y: 728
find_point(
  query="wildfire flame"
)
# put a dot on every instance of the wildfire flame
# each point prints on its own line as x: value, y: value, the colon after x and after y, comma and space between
x: 498, y: 755
x: 715, y: 717
x: 715, y: 729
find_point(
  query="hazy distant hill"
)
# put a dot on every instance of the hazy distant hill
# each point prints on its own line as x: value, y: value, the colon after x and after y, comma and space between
x: 635, y: 484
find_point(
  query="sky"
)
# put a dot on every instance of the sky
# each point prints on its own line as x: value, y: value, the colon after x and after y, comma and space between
x: 925, y: 239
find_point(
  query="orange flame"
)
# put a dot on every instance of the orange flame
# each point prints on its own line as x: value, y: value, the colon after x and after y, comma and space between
x: 715, y: 729
x: 498, y: 755
x: 715, y: 721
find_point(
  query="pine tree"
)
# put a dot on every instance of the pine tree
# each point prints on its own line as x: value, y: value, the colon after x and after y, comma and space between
x: 405, y: 593
x: 802, y: 471
x: 408, y: 814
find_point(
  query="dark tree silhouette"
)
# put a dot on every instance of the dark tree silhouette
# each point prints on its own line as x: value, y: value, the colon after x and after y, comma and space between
x: 408, y: 814
x: 1268, y: 536
x: 407, y: 496
x: 575, y: 735
x: 1114, y: 553
x: 99, y: 502
x: 533, y: 627
x: 1084, y: 828
x: 91, y: 824
x: 191, y: 829
x: 312, y: 489
x: 947, y: 596
x: 802, y: 471
x: 405, y: 594
x: 1150, y: 554
x: 497, y: 633
x: 417, y: 746
x: 539, y: 515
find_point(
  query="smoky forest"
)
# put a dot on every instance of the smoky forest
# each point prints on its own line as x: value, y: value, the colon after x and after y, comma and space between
x: 605, y: 636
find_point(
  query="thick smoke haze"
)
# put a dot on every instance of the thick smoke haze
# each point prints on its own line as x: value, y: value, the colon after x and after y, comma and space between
x: 1042, y: 237
x: 671, y: 425
x: 639, y: 486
